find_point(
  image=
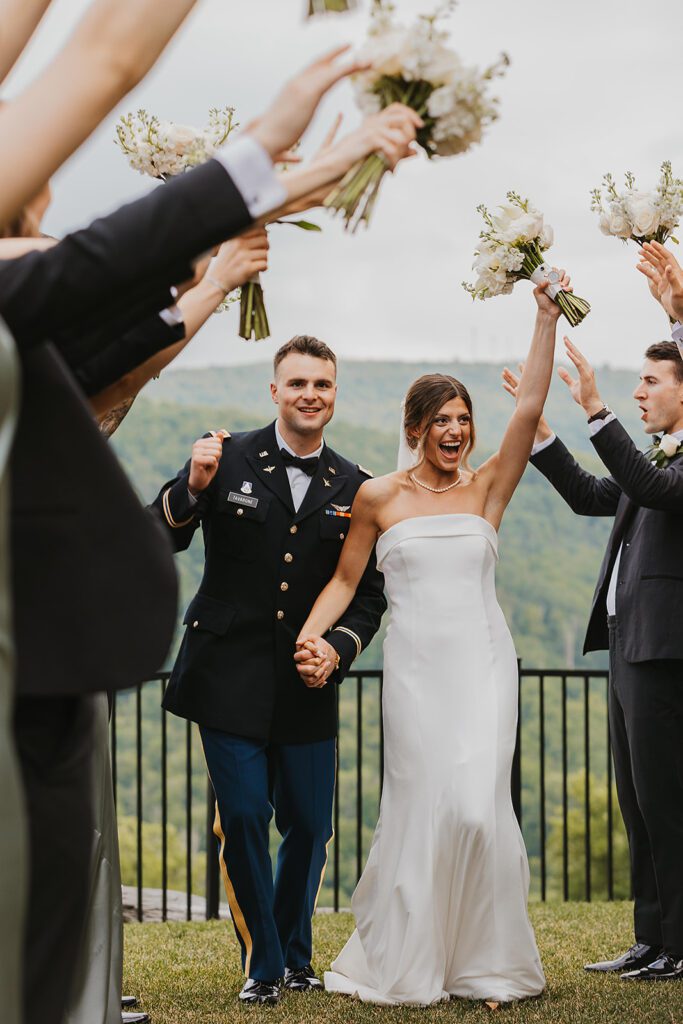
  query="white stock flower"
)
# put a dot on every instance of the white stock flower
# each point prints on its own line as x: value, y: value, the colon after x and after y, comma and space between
x: 641, y: 209
x: 546, y: 237
x: 669, y: 445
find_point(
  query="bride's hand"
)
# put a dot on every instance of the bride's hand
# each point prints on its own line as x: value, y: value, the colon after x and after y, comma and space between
x: 544, y: 302
x: 315, y: 660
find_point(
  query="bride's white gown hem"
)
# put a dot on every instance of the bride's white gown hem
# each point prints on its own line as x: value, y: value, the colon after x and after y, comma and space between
x: 441, y: 907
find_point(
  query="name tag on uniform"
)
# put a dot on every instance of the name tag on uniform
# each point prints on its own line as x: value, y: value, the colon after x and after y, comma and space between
x: 242, y: 499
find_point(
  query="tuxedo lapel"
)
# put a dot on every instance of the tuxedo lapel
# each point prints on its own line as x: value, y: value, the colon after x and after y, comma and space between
x: 266, y: 461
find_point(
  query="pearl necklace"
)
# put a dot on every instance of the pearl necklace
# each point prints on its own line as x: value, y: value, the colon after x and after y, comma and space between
x: 435, y: 490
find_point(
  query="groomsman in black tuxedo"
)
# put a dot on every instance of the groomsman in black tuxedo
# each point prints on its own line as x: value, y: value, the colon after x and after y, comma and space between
x: 275, y: 507
x: 636, y: 605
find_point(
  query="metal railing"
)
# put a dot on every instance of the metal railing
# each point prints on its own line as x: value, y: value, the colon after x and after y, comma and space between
x: 561, y: 782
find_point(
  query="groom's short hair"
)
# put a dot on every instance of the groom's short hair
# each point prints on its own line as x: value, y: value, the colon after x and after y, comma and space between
x: 667, y: 351
x: 305, y: 345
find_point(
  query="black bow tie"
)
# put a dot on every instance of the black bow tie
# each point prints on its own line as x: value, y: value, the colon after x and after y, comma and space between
x: 308, y: 465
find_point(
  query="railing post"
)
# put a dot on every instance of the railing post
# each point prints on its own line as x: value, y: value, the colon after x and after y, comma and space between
x: 516, y: 773
x: 212, y: 871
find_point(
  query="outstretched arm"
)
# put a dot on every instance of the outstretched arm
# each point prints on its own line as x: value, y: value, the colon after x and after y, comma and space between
x: 18, y: 21
x: 503, y: 472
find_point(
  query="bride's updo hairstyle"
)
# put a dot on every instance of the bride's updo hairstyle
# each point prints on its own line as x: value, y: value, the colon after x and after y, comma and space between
x: 425, y: 397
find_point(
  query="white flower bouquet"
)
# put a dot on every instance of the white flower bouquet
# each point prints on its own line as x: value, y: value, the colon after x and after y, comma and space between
x: 512, y: 247
x: 414, y: 66
x: 641, y: 216
x: 163, y: 149
x: 329, y: 6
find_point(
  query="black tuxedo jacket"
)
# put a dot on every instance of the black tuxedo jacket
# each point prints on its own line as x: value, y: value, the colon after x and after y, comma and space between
x: 647, y: 504
x: 93, y: 576
x: 265, y: 565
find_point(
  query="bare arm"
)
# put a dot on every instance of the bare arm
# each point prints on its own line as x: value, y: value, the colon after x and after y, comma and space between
x: 18, y: 21
x: 338, y: 594
x: 111, y: 50
x: 503, y: 472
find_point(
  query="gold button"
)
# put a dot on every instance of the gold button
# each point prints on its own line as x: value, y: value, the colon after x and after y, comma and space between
x: 341, y: 536
x: 293, y: 529
x: 284, y: 586
x: 195, y: 624
x: 240, y: 511
x: 280, y: 615
x: 289, y: 558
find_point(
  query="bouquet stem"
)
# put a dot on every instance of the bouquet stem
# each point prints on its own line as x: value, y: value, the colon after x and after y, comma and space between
x: 326, y: 6
x: 573, y: 306
x: 253, y: 316
x: 355, y: 195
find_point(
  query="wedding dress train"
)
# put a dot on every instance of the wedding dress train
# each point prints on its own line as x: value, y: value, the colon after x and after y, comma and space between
x: 441, y: 906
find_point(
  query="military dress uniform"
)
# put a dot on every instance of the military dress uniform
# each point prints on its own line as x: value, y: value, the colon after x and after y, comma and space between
x: 269, y: 740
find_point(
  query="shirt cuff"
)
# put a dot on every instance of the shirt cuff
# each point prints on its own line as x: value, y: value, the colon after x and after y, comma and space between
x: 543, y: 444
x: 172, y: 316
x: 192, y: 498
x: 252, y: 172
x: 677, y: 335
x: 597, y: 425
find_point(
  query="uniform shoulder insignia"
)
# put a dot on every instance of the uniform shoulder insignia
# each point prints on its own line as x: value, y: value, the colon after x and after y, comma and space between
x: 364, y: 470
x: 212, y: 433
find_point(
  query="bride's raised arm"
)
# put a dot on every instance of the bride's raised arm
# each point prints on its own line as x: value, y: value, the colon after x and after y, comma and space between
x: 504, y: 470
x: 339, y: 592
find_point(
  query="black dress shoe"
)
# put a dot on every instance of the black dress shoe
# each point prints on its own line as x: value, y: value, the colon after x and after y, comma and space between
x: 639, y: 955
x: 263, y: 992
x: 135, y: 1018
x: 128, y: 1002
x: 664, y: 968
x: 302, y: 979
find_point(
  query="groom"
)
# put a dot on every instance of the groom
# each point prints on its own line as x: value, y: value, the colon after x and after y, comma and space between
x: 274, y: 506
x: 637, y: 602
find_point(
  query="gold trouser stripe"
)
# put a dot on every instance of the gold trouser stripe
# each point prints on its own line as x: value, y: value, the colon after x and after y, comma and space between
x: 235, y: 909
x: 167, y: 512
x: 354, y: 637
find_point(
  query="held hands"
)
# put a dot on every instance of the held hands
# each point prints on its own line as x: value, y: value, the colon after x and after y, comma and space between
x: 315, y: 660
x: 545, y: 304
x: 206, y: 457
x: 664, y: 276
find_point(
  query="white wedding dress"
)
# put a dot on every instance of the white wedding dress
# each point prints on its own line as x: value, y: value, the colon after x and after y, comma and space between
x: 441, y: 907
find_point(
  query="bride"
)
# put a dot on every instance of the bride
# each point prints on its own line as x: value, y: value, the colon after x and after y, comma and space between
x: 441, y: 908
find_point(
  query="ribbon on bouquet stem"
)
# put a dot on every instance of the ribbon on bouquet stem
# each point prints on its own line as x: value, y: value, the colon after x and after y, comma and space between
x: 546, y: 273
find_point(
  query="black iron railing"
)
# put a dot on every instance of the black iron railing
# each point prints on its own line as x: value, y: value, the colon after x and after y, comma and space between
x: 562, y: 791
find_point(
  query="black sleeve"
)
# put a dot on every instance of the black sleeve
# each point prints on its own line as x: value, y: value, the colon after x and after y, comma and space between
x: 145, y: 245
x: 644, y: 483
x: 587, y: 495
x: 110, y: 362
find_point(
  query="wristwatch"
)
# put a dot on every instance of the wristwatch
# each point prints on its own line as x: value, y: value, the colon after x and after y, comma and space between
x: 601, y: 415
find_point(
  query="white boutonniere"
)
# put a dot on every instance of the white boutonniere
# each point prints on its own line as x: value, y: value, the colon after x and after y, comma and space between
x: 664, y: 449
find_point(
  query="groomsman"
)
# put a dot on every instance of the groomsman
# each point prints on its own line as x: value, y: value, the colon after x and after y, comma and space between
x: 637, y: 600
x: 275, y: 507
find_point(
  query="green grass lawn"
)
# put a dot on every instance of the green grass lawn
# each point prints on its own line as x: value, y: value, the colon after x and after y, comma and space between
x: 190, y: 974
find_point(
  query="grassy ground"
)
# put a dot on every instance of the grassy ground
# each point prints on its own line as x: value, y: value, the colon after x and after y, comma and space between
x: 190, y: 974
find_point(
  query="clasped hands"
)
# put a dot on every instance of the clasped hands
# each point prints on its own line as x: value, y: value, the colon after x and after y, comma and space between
x: 315, y: 659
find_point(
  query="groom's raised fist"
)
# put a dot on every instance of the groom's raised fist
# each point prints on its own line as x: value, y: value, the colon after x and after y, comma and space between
x: 206, y: 457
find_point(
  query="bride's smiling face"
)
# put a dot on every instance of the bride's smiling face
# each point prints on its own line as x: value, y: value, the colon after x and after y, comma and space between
x: 448, y: 436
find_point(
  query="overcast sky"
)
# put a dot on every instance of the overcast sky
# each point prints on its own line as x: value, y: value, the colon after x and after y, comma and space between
x: 593, y: 86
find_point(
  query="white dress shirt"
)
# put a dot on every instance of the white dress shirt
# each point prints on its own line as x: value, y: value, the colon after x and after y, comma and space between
x: 299, y: 482
x: 595, y: 426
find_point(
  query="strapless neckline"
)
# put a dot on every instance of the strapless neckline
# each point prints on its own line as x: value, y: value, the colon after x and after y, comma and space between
x: 436, y: 526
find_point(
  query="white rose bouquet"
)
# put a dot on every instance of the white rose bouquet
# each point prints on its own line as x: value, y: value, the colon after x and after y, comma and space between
x: 512, y: 249
x: 641, y: 216
x: 329, y: 6
x: 414, y: 66
x: 163, y: 149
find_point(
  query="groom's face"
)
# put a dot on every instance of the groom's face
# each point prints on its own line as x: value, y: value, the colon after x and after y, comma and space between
x: 305, y: 389
x: 660, y: 397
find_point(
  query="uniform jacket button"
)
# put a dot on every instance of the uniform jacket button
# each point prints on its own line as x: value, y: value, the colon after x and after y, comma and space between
x: 240, y: 511
x: 341, y: 536
x: 284, y: 586
x: 293, y: 529
x: 280, y: 615
x: 289, y: 558
x: 195, y: 623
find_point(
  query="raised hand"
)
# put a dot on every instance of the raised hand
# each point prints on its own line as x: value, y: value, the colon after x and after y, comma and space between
x: 289, y: 115
x: 664, y: 276
x: 544, y: 302
x: 511, y: 385
x: 584, y: 390
x: 206, y: 457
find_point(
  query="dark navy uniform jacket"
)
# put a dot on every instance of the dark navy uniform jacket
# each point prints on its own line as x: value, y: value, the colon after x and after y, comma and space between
x: 265, y: 565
